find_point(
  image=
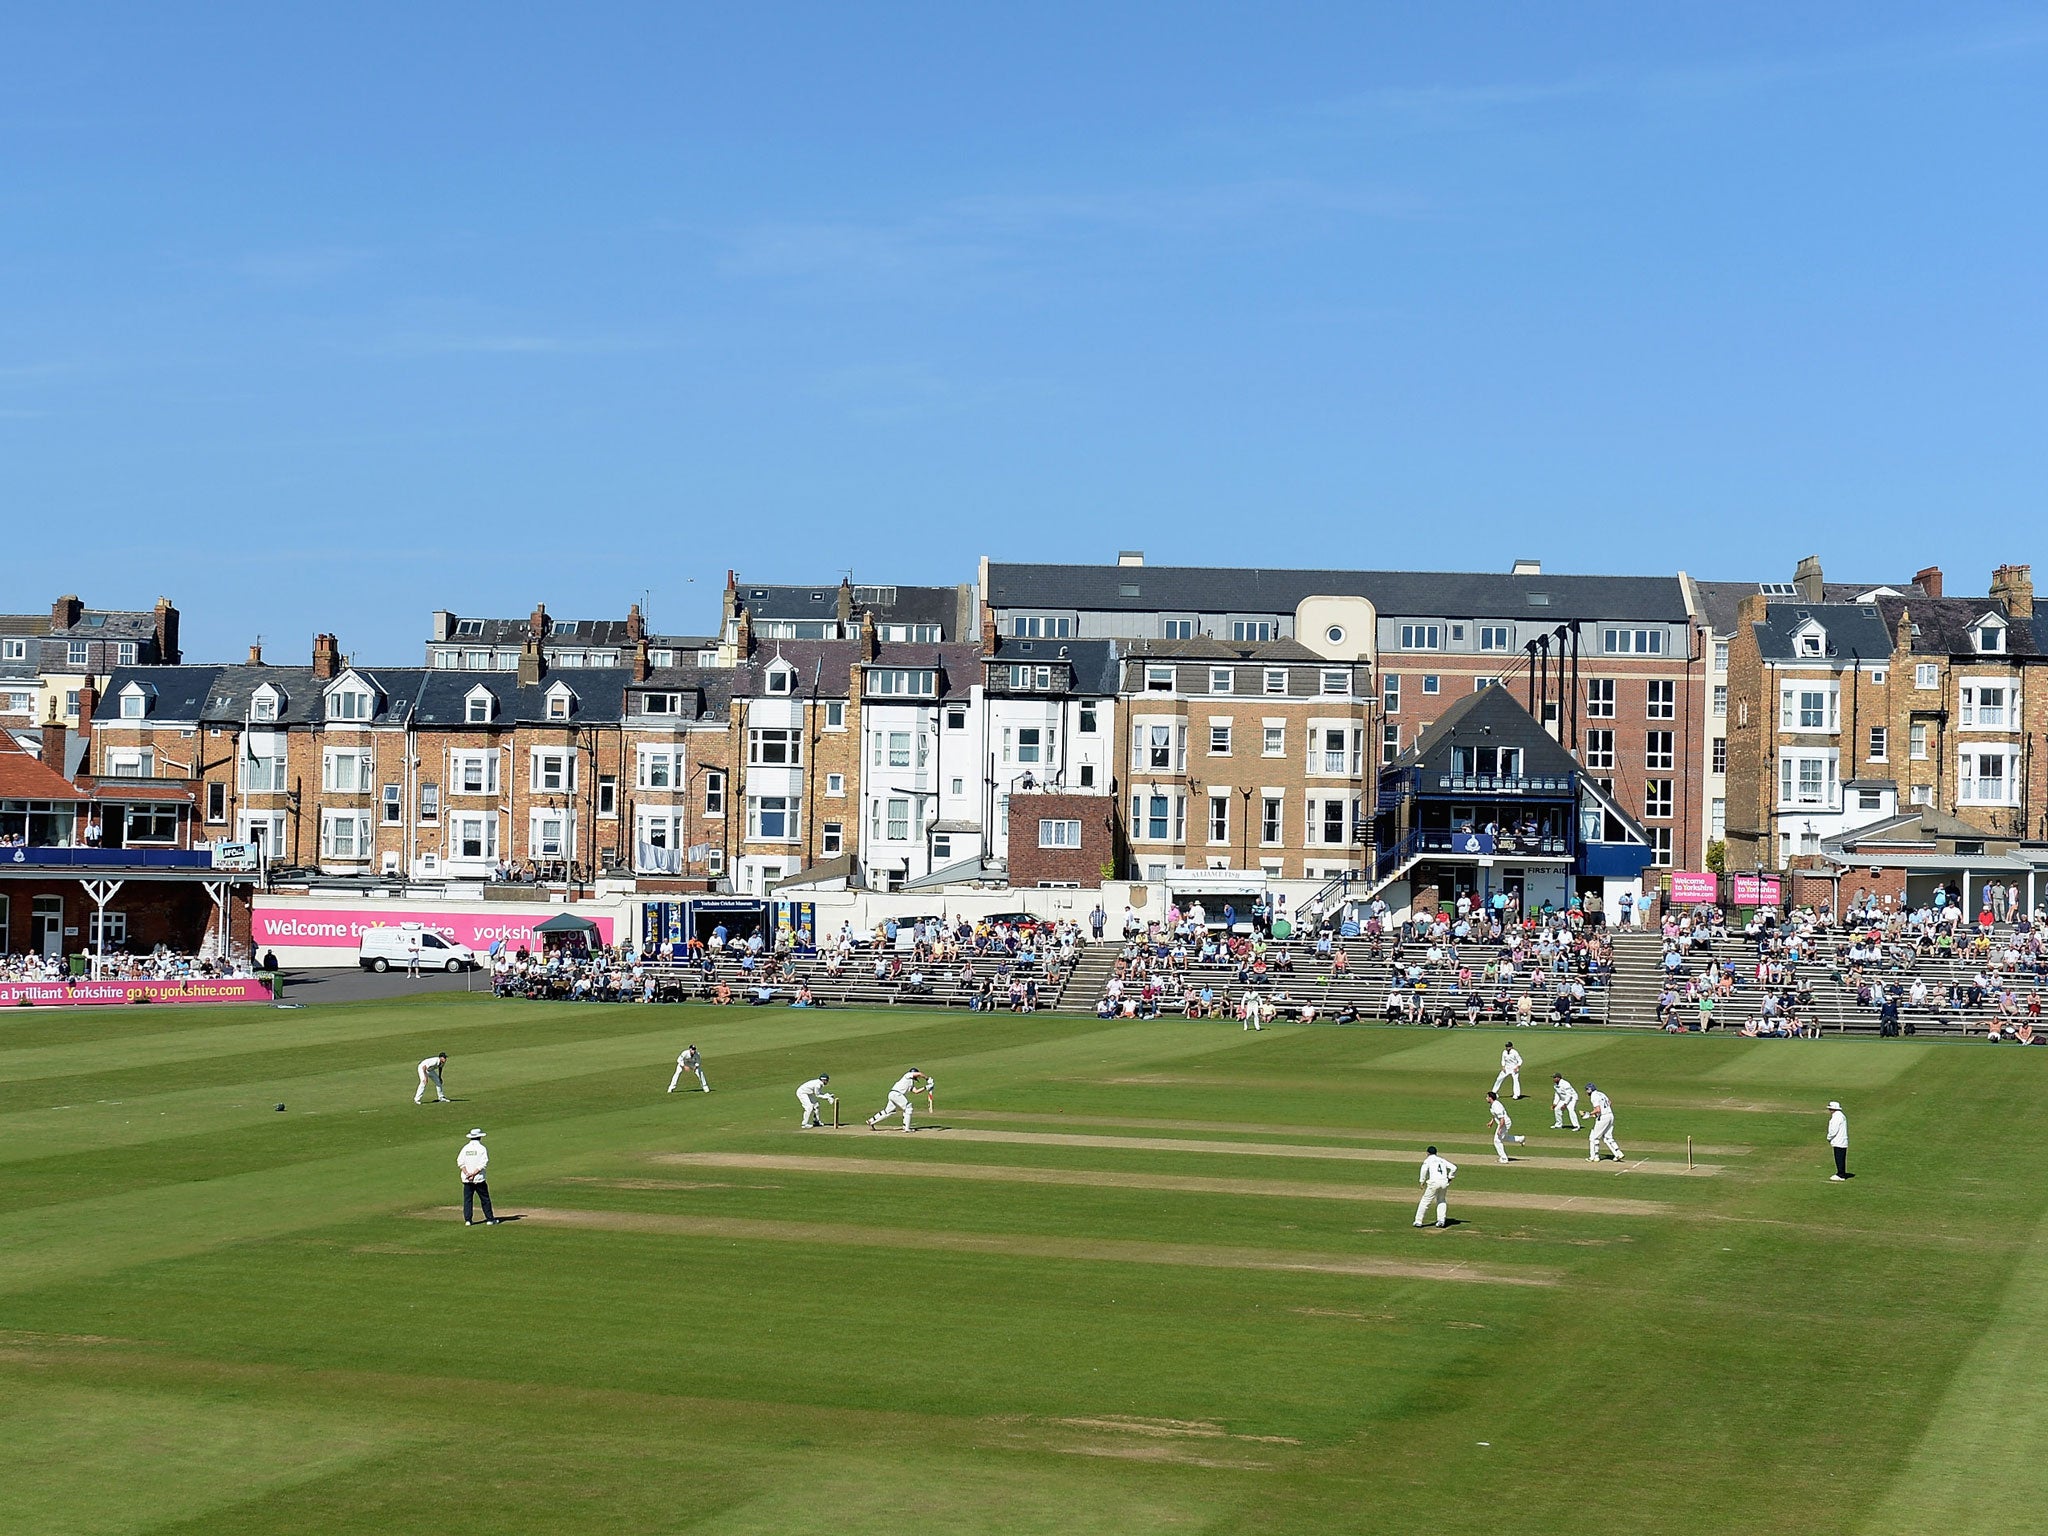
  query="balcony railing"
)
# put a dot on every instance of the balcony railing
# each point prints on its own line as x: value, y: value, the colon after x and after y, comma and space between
x: 107, y: 858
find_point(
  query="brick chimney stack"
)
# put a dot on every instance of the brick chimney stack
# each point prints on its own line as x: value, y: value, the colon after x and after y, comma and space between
x: 1929, y: 580
x: 256, y: 654
x: 88, y: 702
x: 988, y: 630
x: 537, y: 625
x: 641, y: 669
x: 167, y: 652
x: 56, y: 736
x: 326, y: 658
x: 636, y: 626
x: 867, y: 636
x: 2013, y: 585
x: 533, y: 664
x: 845, y: 603
x: 1807, y: 578
x: 66, y: 611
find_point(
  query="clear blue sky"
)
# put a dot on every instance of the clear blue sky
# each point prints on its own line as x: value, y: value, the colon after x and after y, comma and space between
x: 324, y: 321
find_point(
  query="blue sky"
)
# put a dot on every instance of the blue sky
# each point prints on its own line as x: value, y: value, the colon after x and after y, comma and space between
x: 323, y: 321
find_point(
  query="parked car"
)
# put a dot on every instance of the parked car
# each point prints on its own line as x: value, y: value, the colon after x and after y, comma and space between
x: 382, y: 948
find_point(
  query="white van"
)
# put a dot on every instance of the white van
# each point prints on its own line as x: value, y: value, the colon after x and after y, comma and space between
x: 382, y: 948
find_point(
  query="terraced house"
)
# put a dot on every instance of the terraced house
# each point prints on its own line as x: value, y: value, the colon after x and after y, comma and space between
x: 420, y: 772
x: 46, y: 659
x: 1852, y: 716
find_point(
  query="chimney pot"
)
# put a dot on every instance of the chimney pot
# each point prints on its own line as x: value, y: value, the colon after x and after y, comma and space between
x: 1928, y: 578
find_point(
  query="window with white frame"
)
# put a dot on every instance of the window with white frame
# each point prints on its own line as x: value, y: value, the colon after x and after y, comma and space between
x: 1990, y: 638
x: 661, y: 656
x: 835, y: 785
x: 1922, y: 794
x: 1808, y: 780
x: 657, y: 829
x: 75, y: 654
x: 1496, y: 637
x: 1336, y: 680
x: 1916, y: 740
x: 391, y: 800
x: 1660, y: 846
x: 1632, y: 642
x: 1178, y: 629
x: 1252, y: 629
x: 1087, y: 724
x: 345, y: 834
x: 13, y: 649
x: 897, y: 826
x: 1276, y: 680
x: 1657, y: 799
x: 473, y: 773
x: 134, y: 704
x: 1219, y: 819
x: 832, y: 838
x: 1023, y: 676
x: 902, y: 682
x: 216, y: 801
x: 1327, y: 820
x: 1422, y: 637
x: 478, y: 707
x: 345, y: 770
x: 1988, y: 777
x: 773, y: 818
x: 1657, y: 749
x: 1156, y: 747
x: 1431, y: 684
x: 1720, y: 701
x: 1333, y: 749
x: 1390, y: 741
x: 661, y: 703
x: 1390, y: 692
x: 657, y: 767
x: 1717, y: 757
x: 1055, y: 833
x: 1219, y: 679
x: 607, y: 796
x: 263, y: 773
x: 775, y: 747
x: 552, y: 834
x: 1600, y: 698
x: 1880, y: 741
x: 1219, y: 738
x: 430, y: 803
x: 106, y: 930
x: 1926, y: 674
x: 1987, y: 706
x: 780, y: 680
x: 835, y: 715
x: 1717, y: 818
x: 1274, y: 739
x: 714, y: 792
x: 1662, y: 699
x: 349, y: 704
x: 1600, y: 750
x: 554, y: 772
x: 1720, y: 655
x: 1041, y: 626
x: 1034, y: 744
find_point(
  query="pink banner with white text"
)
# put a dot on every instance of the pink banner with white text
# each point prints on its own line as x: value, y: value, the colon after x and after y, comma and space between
x: 337, y: 928
x: 93, y: 994
x: 1689, y: 889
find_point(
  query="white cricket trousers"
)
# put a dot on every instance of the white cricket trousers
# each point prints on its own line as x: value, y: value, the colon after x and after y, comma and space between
x: 810, y: 1108
x: 1508, y: 1077
x: 1501, y: 1138
x: 1559, y: 1109
x: 1603, y: 1131
x: 1440, y: 1195
x: 679, y: 1077
x: 421, y: 1092
x: 896, y: 1101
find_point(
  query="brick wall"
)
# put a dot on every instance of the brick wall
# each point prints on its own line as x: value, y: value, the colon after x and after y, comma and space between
x: 1085, y: 865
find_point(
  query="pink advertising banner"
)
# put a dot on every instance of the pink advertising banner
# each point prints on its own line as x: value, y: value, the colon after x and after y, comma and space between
x: 1689, y: 889
x: 92, y: 994
x: 1756, y: 890
x: 333, y: 928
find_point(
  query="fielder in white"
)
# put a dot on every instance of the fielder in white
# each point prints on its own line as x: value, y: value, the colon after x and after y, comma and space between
x: 690, y: 1062
x: 1602, y: 1109
x: 1510, y: 1069
x: 1564, y: 1102
x: 1503, y: 1127
x: 910, y: 1082
x: 809, y: 1095
x: 1437, y: 1173
x: 430, y: 1076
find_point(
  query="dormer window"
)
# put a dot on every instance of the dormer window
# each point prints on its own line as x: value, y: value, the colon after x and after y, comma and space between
x: 348, y: 704
x: 1990, y: 636
x: 1811, y: 640
x: 781, y: 679
x: 264, y: 705
x: 479, y: 706
x: 134, y: 702
x: 561, y: 702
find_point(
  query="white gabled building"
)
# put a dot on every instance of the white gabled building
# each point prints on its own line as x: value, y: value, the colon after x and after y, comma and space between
x: 922, y: 771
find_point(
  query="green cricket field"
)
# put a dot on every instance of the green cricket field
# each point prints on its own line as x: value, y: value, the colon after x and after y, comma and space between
x: 1123, y: 1278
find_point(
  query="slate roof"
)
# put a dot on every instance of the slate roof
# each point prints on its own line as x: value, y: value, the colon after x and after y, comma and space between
x: 1491, y: 715
x: 794, y: 600
x: 105, y: 624
x: 1943, y: 624
x: 1425, y: 594
x: 427, y: 696
x: 24, y: 623
x: 1718, y: 599
x: 1853, y: 630
x: 1094, y: 662
x: 1208, y: 648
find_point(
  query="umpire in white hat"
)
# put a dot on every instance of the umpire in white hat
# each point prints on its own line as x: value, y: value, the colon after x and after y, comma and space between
x: 470, y: 1162
x: 1838, y: 1141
